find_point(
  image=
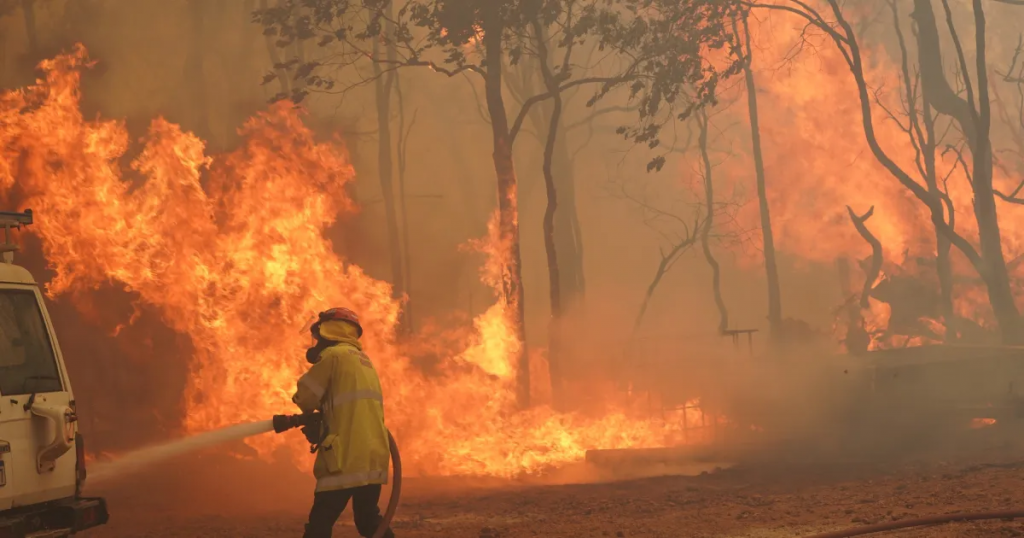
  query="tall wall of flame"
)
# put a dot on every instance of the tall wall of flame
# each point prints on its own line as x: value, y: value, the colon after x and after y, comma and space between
x: 237, y: 260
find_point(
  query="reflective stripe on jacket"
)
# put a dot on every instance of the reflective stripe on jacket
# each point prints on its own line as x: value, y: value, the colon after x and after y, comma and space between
x: 344, y: 385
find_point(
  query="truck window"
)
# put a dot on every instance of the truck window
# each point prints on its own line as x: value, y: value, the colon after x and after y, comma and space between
x: 27, y: 363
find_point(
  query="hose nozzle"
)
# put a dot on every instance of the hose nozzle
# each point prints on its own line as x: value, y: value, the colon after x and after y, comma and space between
x: 311, y: 423
x: 283, y: 423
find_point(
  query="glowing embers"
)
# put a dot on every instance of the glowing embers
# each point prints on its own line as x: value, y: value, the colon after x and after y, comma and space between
x: 978, y: 423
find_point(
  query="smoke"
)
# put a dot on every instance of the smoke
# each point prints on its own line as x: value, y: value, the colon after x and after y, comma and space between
x: 153, y: 60
x: 146, y: 69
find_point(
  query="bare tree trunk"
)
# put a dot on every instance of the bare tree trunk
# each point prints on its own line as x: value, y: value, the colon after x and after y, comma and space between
x: 568, y: 233
x: 403, y: 149
x: 943, y: 265
x: 554, y: 278
x: 384, y: 86
x: 508, y: 214
x: 705, y: 234
x: 770, y: 263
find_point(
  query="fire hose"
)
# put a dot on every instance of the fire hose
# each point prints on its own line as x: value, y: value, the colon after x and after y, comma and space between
x: 310, y: 422
x: 920, y: 522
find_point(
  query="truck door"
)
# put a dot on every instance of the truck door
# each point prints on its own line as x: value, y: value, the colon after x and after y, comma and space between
x: 37, y: 421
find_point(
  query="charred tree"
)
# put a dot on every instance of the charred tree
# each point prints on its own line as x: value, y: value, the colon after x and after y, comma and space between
x: 768, y: 237
x: 709, y: 222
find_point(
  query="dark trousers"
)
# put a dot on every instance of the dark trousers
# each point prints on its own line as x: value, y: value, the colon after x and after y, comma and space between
x: 328, y: 506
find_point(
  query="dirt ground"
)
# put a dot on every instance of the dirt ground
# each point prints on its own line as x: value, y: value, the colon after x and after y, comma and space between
x: 218, y: 496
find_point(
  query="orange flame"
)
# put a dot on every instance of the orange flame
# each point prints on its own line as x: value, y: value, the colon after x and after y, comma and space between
x: 229, y: 249
x: 817, y: 163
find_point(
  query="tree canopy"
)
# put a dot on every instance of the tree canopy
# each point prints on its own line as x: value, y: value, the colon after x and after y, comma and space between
x: 669, y: 55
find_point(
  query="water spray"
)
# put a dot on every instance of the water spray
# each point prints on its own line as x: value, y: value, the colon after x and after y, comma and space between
x: 308, y: 422
x: 148, y: 456
x: 310, y: 426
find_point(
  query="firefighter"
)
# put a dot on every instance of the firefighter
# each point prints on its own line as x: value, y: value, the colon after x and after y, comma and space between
x: 352, y: 446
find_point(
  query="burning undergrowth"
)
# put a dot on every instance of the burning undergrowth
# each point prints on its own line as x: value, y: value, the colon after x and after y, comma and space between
x: 229, y: 250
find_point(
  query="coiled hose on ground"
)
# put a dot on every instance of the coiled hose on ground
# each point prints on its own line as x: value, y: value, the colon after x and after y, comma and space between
x: 396, y: 488
x: 920, y: 522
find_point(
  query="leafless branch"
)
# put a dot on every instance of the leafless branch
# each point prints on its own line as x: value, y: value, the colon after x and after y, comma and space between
x: 476, y: 100
x: 528, y: 103
x: 1012, y: 197
x: 876, y: 252
x: 961, y: 160
x: 598, y: 113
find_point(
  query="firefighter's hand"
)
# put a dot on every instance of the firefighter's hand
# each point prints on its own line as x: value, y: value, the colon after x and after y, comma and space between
x: 312, y: 434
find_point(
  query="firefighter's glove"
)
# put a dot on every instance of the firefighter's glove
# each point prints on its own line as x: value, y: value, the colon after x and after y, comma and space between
x: 312, y: 434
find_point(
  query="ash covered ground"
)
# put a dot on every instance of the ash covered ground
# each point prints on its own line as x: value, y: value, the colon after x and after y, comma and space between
x: 215, y: 495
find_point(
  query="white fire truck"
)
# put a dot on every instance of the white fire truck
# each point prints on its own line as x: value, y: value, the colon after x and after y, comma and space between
x: 42, y: 455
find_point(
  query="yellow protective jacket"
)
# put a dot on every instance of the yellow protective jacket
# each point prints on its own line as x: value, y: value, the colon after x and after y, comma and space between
x: 344, y: 386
